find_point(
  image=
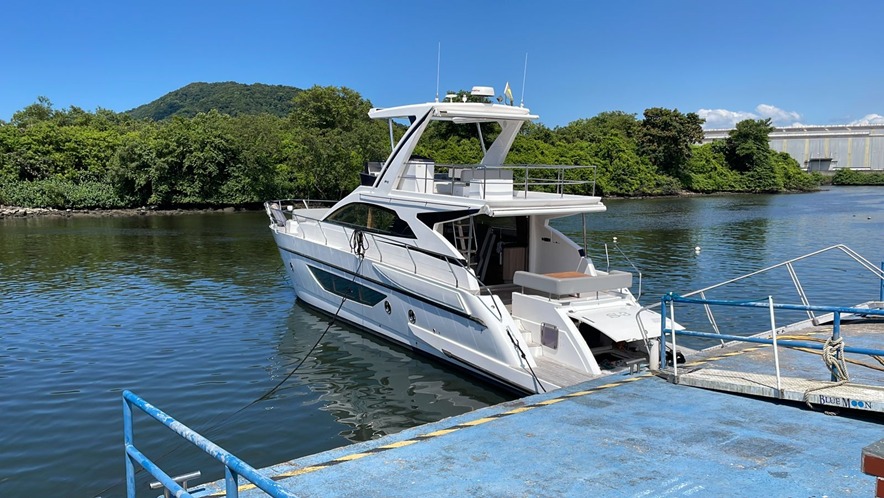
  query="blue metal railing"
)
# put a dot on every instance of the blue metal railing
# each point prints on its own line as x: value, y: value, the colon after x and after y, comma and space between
x: 670, y: 299
x: 233, y: 466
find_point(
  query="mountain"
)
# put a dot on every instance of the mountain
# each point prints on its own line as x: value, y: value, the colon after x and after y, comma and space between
x: 228, y: 98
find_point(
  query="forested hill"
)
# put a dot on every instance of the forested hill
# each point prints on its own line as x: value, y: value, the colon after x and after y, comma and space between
x: 231, y: 98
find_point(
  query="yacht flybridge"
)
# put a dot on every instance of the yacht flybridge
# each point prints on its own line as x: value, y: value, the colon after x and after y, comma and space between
x: 460, y: 261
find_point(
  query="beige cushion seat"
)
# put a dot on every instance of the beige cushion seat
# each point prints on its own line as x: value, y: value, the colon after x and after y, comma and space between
x: 572, y: 282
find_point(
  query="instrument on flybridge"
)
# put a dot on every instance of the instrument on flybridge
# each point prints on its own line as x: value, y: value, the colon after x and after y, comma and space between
x: 477, y: 91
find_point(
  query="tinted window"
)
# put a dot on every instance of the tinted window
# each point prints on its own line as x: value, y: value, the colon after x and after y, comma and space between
x: 347, y: 288
x: 371, y: 218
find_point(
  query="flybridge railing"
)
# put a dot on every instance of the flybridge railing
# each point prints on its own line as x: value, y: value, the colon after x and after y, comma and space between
x: 481, y: 181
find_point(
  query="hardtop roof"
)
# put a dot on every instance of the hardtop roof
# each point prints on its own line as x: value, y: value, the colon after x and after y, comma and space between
x: 456, y: 111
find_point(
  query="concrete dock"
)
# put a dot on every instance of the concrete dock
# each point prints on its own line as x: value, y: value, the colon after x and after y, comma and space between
x: 627, y: 435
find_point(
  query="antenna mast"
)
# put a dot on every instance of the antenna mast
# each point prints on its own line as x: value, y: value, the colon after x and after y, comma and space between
x: 438, y: 59
x: 524, y: 76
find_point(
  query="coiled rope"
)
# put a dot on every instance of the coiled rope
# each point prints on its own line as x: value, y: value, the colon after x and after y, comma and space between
x: 359, y: 244
x: 833, y: 356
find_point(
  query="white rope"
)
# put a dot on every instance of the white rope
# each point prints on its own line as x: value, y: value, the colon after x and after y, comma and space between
x: 833, y: 355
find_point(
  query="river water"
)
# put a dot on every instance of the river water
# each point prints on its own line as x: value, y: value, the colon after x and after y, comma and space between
x: 193, y: 313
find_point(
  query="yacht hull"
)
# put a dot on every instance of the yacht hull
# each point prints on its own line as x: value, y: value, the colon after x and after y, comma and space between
x: 414, y: 314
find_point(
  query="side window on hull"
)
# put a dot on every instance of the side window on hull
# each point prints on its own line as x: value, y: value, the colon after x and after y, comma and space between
x: 371, y: 218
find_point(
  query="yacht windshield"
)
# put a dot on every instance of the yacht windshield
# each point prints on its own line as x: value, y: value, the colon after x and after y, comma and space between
x: 371, y: 218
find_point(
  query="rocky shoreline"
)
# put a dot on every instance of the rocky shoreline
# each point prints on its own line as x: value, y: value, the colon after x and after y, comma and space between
x: 27, y: 212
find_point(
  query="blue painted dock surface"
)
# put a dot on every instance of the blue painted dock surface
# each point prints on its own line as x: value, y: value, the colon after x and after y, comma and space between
x: 626, y: 435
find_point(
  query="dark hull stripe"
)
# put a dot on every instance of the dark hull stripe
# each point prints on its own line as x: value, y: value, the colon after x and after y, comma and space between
x: 391, y: 288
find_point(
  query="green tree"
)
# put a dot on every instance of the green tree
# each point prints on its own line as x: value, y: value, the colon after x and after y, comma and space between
x: 623, y: 172
x: 132, y: 169
x: 666, y: 137
x: 707, y: 171
x: 328, y: 108
x: 253, y: 177
x: 37, y: 112
x: 747, y: 150
x: 747, y: 145
x: 330, y: 139
x: 594, y: 129
x: 537, y: 131
x: 794, y: 178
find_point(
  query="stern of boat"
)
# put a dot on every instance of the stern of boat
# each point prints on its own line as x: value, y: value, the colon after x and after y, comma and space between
x: 591, y: 324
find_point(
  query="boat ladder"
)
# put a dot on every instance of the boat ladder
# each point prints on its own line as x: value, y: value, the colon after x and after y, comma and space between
x: 465, y: 240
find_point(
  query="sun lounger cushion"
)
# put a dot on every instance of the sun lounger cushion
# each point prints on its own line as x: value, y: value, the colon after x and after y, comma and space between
x: 572, y: 282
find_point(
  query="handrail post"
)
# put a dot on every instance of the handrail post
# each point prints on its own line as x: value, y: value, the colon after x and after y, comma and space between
x: 674, y: 349
x: 127, y: 441
x: 526, y: 181
x: 881, y: 296
x: 711, y: 317
x: 801, y: 293
x: 836, y: 334
x: 663, y: 313
x: 663, y: 332
x: 231, y: 478
x: 377, y: 247
x: 413, y: 262
x: 776, y: 355
x: 453, y: 274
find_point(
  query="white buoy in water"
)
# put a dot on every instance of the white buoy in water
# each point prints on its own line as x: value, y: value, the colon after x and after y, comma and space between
x: 697, y: 250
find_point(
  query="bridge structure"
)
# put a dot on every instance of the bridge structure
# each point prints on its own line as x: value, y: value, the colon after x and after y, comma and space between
x: 825, y: 148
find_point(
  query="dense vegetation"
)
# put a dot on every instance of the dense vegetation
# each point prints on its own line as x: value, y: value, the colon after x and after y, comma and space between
x: 848, y: 176
x: 71, y: 158
x: 235, y: 99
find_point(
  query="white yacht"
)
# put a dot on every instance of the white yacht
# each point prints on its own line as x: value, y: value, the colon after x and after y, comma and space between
x: 460, y: 262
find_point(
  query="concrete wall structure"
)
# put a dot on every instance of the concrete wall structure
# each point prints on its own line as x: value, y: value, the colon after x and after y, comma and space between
x: 858, y: 147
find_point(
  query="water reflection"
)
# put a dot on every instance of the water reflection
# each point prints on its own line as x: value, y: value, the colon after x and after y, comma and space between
x: 370, y: 385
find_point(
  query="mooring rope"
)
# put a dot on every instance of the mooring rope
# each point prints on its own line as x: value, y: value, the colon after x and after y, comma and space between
x: 524, y: 357
x: 833, y: 356
x: 852, y: 361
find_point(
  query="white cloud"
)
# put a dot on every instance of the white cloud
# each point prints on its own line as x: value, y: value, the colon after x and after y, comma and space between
x: 868, y: 119
x: 778, y: 116
x: 723, y: 118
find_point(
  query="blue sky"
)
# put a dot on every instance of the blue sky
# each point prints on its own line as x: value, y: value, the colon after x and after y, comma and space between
x: 809, y: 62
